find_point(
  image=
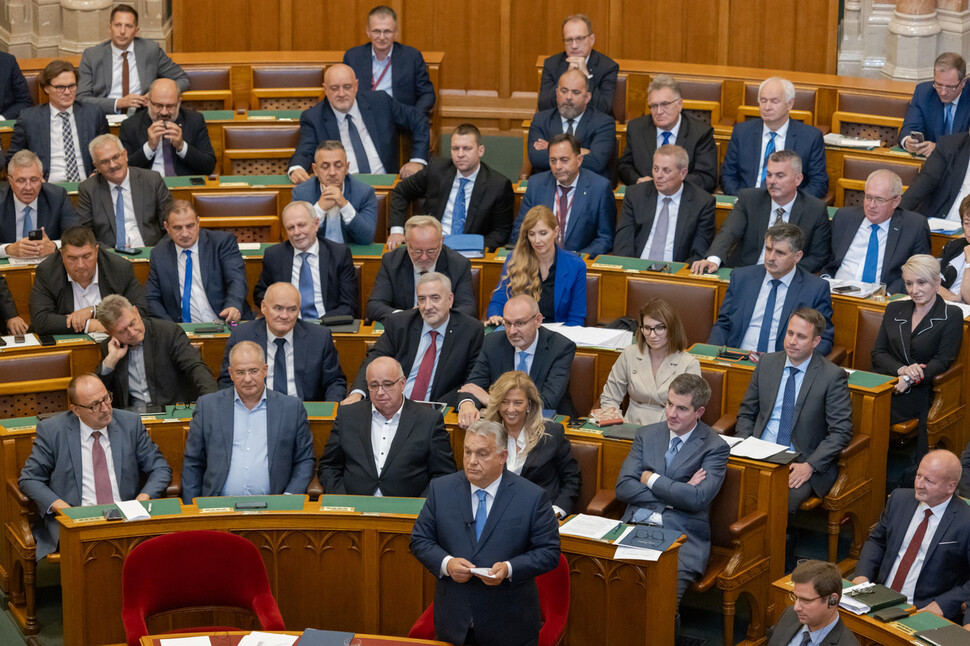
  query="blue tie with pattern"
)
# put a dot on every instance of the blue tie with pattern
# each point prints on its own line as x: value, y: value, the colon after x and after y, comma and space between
x: 70, y: 156
x: 187, y: 289
x: 948, y: 119
x: 769, y: 149
x: 672, y: 451
x: 308, y: 308
x: 768, y: 316
x: 787, y: 409
x: 121, y: 235
x: 521, y: 365
x: 363, y: 165
x: 458, y: 212
x: 279, y: 367
x: 481, y: 513
x: 28, y: 222
x: 872, y: 255
x: 666, y: 136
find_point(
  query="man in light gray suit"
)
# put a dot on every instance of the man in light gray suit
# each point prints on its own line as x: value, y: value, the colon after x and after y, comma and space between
x: 115, y: 74
x: 247, y: 440
x: 112, y: 449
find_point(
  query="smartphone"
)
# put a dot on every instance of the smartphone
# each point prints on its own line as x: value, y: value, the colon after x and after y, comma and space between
x: 251, y: 504
x: 36, y: 234
x: 916, y: 136
x: 732, y: 356
x: 845, y: 289
x: 128, y: 251
x: 209, y: 329
x: 197, y: 181
x: 46, y: 339
x: 657, y: 266
x: 114, y: 514
x: 19, y: 338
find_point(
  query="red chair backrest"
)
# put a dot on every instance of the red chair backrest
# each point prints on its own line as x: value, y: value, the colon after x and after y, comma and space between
x: 553, y: 602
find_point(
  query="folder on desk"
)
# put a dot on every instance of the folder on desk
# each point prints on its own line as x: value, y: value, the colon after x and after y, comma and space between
x: 621, y: 431
x: 314, y: 637
x: 646, y: 537
x: 865, y: 598
x: 952, y: 635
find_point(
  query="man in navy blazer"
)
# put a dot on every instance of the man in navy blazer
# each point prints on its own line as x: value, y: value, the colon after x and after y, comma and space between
x: 937, y: 190
x: 50, y: 209
x: 581, y: 200
x: 601, y: 70
x: 487, y: 517
x: 595, y: 131
x: 270, y: 425
x: 217, y: 282
x: 931, y: 111
x: 14, y: 93
x: 55, y: 476
x: 753, y: 140
x: 387, y: 65
x: 742, y: 315
x: 940, y: 581
x: 370, y: 135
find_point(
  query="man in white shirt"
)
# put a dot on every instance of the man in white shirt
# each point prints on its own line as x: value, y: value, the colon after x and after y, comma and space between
x: 28, y: 204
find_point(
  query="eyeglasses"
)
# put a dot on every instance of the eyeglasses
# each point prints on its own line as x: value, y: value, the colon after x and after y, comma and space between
x: 947, y: 88
x: 386, y: 33
x: 575, y: 40
x: 658, y: 329
x: 378, y: 386
x: 165, y: 106
x: 662, y: 106
x: 878, y: 201
x: 424, y: 253
x: 252, y: 372
x: 63, y: 88
x: 793, y: 597
x: 519, y: 324
x: 101, y: 403
x: 110, y: 160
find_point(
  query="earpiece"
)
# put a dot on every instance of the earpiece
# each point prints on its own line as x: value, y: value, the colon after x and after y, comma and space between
x: 833, y: 600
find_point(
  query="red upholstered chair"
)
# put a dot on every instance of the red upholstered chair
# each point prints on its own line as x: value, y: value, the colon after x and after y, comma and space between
x: 195, y: 569
x: 553, y: 604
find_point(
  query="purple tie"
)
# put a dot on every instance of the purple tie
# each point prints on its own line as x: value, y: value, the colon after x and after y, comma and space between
x: 102, y: 481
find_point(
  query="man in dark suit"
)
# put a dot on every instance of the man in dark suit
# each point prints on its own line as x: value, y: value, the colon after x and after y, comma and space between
x: 302, y: 355
x: 28, y: 203
x: 578, y: 38
x: 59, y: 132
x: 435, y: 369
x: 167, y: 138
x: 486, y: 516
x: 753, y: 141
x: 391, y: 67
x: 395, y: 288
x: 814, y: 619
x: 205, y: 261
x: 740, y: 240
x: 463, y: 193
x: 387, y: 446
x: 760, y: 298
x: 595, y: 131
x: 666, y: 124
x: 144, y: 59
x: 345, y: 206
x: 148, y: 361
x: 69, y: 285
x: 322, y: 270
x: 581, y: 200
x: 938, y: 188
x: 870, y: 244
x: 247, y: 440
x: 666, y: 218
x: 118, y: 196
x: 14, y: 93
x: 10, y: 320
x: 527, y: 346
x: 932, y: 522
x: 938, y: 107
x: 76, y: 452
x: 673, y: 471
x: 366, y: 123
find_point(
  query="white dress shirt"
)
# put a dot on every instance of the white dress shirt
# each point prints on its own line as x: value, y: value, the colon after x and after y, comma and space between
x: 491, y: 491
x: 313, y: 259
x: 88, y: 495
x: 199, y: 304
x: 673, y: 210
x: 785, y: 217
x: 673, y: 133
x: 913, y: 575
x: 782, y: 133
x: 271, y: 361
x: 158, y: 159
x: 570, y: 198
x: 377, y: 68
x: 58, y: 168
x: 134, y: 82
x: 750, y: 339
x: 854, y: 262
x: 954, y: 213
x: 446, y: 217
x: 85, y: 296
x: 376, y: 166
x: 132, y: 232
x: 530, y: 355
x: 382, y: 432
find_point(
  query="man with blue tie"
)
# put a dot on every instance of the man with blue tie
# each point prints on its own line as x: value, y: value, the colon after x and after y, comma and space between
x: 28, y: 203
x: 938, y: 107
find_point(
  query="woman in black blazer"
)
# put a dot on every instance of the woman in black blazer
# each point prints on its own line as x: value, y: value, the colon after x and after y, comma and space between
x: 955, y: 260
x: 538, y: 450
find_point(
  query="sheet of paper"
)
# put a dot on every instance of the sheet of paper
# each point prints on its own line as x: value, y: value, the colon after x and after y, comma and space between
x: 114, y: 120
x: 483, y: 571
x: 258, y: 638
x: 597, y: 337
x: 29, y: 340
x: 731, y: 440
x: 625, y: 553
x: 595, y: 527
x: 249, y: 246
x: 941, y: 225
x: 185, y: 641
x: 756, y: 449
x: 22, y: 262
x: 133, y: 510
x: 852, y: 604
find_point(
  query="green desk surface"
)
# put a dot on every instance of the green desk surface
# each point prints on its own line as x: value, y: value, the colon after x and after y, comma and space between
x: 70, y: 338
x: 620, y: 191
x: 19, y: 423
x: 143, y: 254
x: 8, y: 123
x: 378, y: 326
x: 256, y: 180
x: 273, y: 503
x: 185, y: 411
x: 589, y: 427
x: 729, y: 200
x: 373, y: 249
x: 257, y: 253
x: 502, y: 253
x: 276, y: 114
x: 922, y: 621
x: 320, y: 409
x: 183, y: 181
x: 635, y: 264
x: 160, y: 507
x: 377, y: 180
x: 218, y: 115
x: 375, y: 505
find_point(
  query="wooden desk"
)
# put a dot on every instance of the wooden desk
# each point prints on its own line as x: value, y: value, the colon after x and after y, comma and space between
x: 233, y: 638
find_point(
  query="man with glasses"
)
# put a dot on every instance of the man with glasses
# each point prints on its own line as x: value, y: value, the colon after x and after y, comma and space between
x: 59, y: 132
x: 600, y: 70
x: 167, y: 138
x: 938, y: 107
x: 814, y: 617
x: 29, y: 204
x: 111, y: 449
x: 387, y: 445
x: 248, y: 440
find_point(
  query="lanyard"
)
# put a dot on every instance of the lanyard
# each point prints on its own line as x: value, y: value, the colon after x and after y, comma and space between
x: 380, y: 78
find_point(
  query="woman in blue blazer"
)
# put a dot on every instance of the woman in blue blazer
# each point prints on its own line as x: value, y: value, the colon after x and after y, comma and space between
x: 538, y: 266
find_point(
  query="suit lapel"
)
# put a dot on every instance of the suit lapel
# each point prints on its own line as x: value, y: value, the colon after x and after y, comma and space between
x: 44, y: 146
x: 148, y: 357
x: 685, y: 220
x: 447, y: 179
x: 173, y: 257
x: 8, y: 224
x: 364, y: 433
x: 942, y: 526
x: 688, y: 449
x: 892, y: 241
x: 960, y: 162
x: 478, y: 194
x: 649, y: 214
x: 74, y: 448
x: 323, y: 264
x: 753, y: 151
x: 404, y: 429
x: 107, y: 203
x: 506, y: 491
x: 447, y: 348
x: 119, y: 447
x: 207, y: 266
x: 747, y: 310
x: 577, y: 211
x: 300, y: 351
x: 274, y: 418
x: 774, y: 369
x: 810, y: 374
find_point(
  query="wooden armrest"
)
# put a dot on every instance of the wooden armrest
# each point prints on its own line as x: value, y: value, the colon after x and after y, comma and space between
x: 837, y: 355
x: 725, y: 425
x: 858, y: 444
x: 314, y: 489
x: 952, y: 372
x: 14, y: 489
x: 604, y: 503
x: 751, y: 521
x: 174, y: 488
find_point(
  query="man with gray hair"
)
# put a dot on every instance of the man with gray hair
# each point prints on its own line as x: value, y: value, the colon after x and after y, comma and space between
x: 578, y: 39
x: 938, y: 107
x: 29, y: 204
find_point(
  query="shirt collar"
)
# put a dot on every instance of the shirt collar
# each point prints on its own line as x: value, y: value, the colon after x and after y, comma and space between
x: 425, y: 328
x: 786, y: 279
x: 675, y: 198
x: 674, y: 130
x: 314, y: 249
x: 238, y: 400
x: 683, y: 438
x: 373, y: 55
x: 379, y: 416
x: 472, y: 176
x: 115, y: 52
x: 271, y: 337
x: 781, y: 132
x: 194, y: 248
x: 55, y: 112
x: 19, y: 206
x: 802, y: 367
x: 531, y: 350
x: 492, y: 489
x: 571, y: 184
x: 820, y: 634
x: 937, y: 511
x: 576, y: 120
x: 125, y: 183
x: 94, y: 281
x: 787, y: 207
x: 87, y: 430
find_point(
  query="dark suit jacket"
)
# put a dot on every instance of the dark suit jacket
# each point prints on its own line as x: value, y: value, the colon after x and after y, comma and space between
x: 420, y: 452
x: 489, y: 211
x: 695, y: 137
x: 964, y: 489
x: 551, y: 465
x: 695, y: 222
x: 520, y: 529
x: 743, y: 156
x: 788, y: 625
x: 53, y: 469
x: 925, y: 113
x: 409, y: 74
x: 951, y: 250
x: 909, y: 234
x: 945, y: 577
x: 316, y: 365
x: 742, y: 236
x: 596, y: 132
x: 824, y: 395
x: 52, y: 299
x: 459, y: 348
x: 338, y: 282
x: 200, y: 159
x: 173, y: 367
x: 14, y: 93
x: 734, y: 315
x: 55, y: 212
x: 360, y: 195
x: 33, y: 132
x: 394, y: 287
x: 223, y: 275
x: 592, y: 218
x: 208, y: 448
x: 149, y: 196
x: 569, y: 300
x: 384, y: 118
x: 602, y: 85
x: 96, y: 67
x: 684, y: 507
x: 8, y: 309
x: 936, y: 187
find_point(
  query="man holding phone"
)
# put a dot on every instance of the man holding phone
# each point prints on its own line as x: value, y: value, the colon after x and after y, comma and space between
x: 33, y: 213
x: 938, y: 107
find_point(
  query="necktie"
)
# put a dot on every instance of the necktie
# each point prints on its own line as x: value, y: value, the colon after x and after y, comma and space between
x: 363, y: 166
x: 787, y: 409
x: 563, y: 211
x: 659, y: 243
x: 910, y: 554
x: 308, y: 308
x: 521, y: 365
x: 168, y: 157
x: 672, y: 451
x: 420, y: 390
x: 571, y: 130
x: 28, y: 222
x: 948, y: 119
x: 806, y: 638
x: 99, y: 463
x: 666, y: 136
x: 481, y: 513
x: 125, y: 90
x: 770, y: 148
x: 70, y: 159
x: 872, y: 256
x: 279, y: 367
x: 779, y: 215
x: 333, y: 231
x: 121, y: 235
x: 768, y: 316
x: 187, y: 289
x: 458, y: 212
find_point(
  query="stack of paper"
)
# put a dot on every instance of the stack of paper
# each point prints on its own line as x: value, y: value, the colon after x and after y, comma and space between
x: 584, y: 526
x: 257, y: 638
x: 23, y: 262
x: 941, y: 225
x: 597, y: 337
x: 755, y: 448
x: 835, y: 139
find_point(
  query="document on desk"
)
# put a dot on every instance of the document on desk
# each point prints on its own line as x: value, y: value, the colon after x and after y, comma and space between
x: 258, y: 638
x: 756, y: 449
x: 627, y: 553
x: 593, y: 337
x: 11, y: 341
x: 249, y: 246
x: 584, y: 526
x: 185, y: 641
x: 133, y: 510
